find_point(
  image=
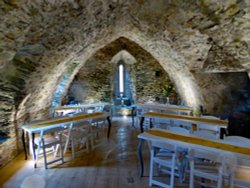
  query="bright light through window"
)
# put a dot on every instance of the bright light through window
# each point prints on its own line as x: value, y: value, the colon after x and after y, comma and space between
x: 121, y: 77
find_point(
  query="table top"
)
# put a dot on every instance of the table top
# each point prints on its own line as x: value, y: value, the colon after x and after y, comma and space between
x: 59, y: 121
x: 79, y: 106
x: 169, y: 107
x: 189, y: 140
x: 218, y: 122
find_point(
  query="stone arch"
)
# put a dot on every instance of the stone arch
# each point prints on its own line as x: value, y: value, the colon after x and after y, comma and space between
x: 70, y: 32
x: 160, y: 48
x: 130, y: 61
x: 172, y: 63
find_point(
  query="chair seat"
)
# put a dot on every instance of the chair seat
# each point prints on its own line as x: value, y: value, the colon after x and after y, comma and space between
x: 207, y: 170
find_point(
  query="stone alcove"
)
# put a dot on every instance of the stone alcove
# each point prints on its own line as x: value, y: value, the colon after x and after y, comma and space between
x: 96, y: 80
x: 123, y: 71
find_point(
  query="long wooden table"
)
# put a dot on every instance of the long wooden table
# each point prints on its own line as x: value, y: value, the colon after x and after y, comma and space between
x: 192, y: 119
x: 163, y: 107
x: 177, y: 108
x: 188, y: 141
x: 76, y: 107
x: 38, y: 126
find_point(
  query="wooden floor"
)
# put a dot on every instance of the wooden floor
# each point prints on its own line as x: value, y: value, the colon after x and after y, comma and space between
x: 112, y: 164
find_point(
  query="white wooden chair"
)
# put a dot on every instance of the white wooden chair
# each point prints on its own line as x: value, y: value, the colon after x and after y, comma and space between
x: 97, y: 131
x: 108, y: 109
x: 210, y: 117
x: 78, y: 134
x: 209, y: 128
x: 139, y: 113
x: 181, y: 154
x: 51, y: 138
x: 185, y: 124
x: 181, y: 130
x: 98, y: 125
x: 205, y: 134
x: 210, y: 168
x: 90, y: 110
x: 170, y: 111
x: 99, y: 108
x: 243, y: 162
x: 162, y: 123
x: 163, y: 161
x: 58, y: 113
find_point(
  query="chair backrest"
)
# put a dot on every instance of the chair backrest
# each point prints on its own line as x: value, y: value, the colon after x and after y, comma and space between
x: 206, y: 155
x: 179, y: 130
x: 214, y: 129
x: 108, y: 109
x: 210, y: 117
x: 139, y: 111
x: 99, y: 108
x: 205, y: 134
x: 90, y: 110
x: 171, y: 111
x: 243, y: 162
x: 80, y: 113
x: 66, y: 112
x: 242, y: 141
x: 53, y: 130
x: 208, y: 127
x: 70, y: 114
x: 80, y: 124
x: 163, y: 145
x: 186, y: 124
x: 161, y: 123
x: 145, y: 110
x: 98, y: 119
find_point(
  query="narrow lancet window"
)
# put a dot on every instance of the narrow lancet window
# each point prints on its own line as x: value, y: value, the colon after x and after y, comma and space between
x: 121, y: 79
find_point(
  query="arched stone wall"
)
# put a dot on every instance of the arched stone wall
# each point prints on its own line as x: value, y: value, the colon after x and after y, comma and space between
x: 174, y: 66
x: 41, y: 96
x: 41, y: 39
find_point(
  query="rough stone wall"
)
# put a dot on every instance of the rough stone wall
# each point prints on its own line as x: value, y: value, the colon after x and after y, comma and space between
x: 95, y: 80
x: 230, y: 89
x: 149, y: 86
x: 92, y: 83
x: 185, y: 37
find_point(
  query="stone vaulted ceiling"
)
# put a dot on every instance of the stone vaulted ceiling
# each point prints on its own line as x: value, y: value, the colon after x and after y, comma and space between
x: 41, y: 40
